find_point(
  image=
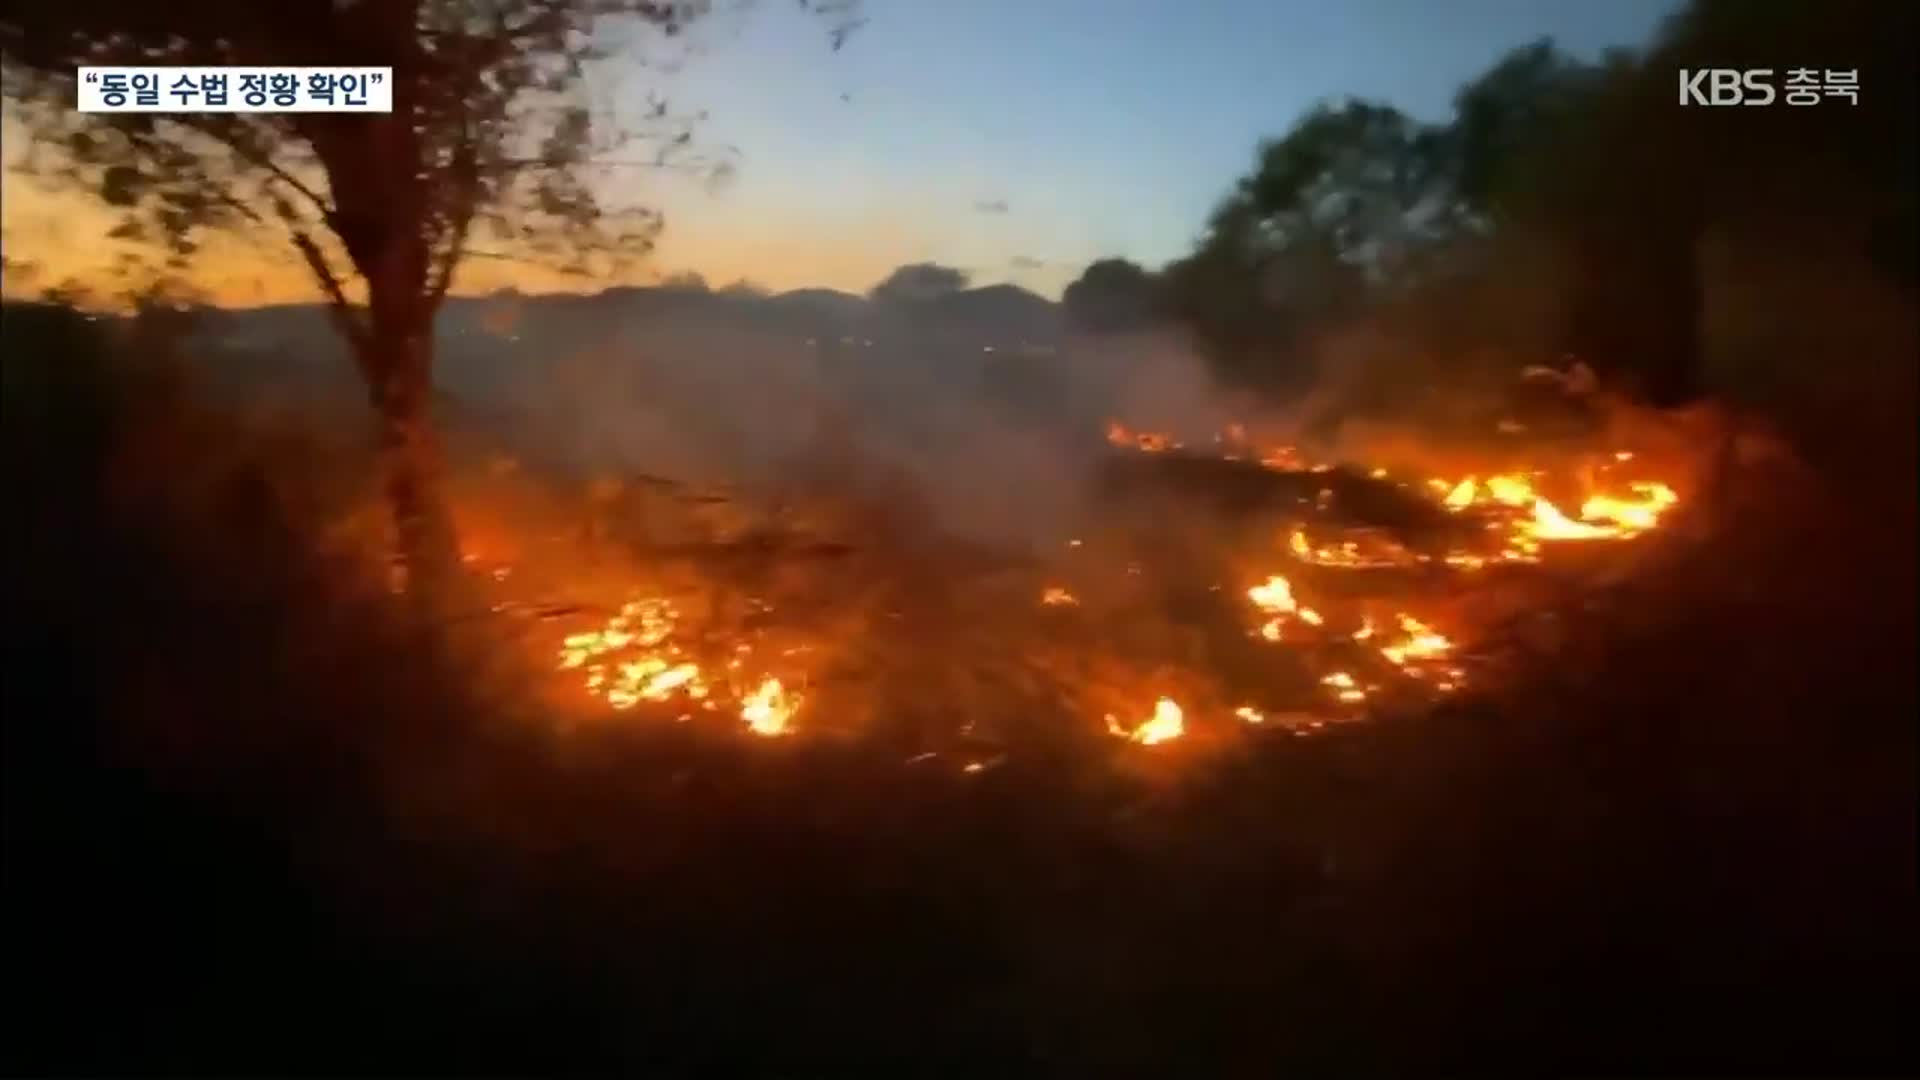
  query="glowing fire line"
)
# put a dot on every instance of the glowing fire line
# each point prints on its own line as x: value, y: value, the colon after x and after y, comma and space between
x: 633, y: 659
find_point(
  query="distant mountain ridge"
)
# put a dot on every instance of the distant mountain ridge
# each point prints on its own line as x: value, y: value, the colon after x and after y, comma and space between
x: 990, y: 308
x: 486, y: 343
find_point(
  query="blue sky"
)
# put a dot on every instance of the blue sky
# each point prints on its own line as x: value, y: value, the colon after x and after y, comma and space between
x: 1104, y: 128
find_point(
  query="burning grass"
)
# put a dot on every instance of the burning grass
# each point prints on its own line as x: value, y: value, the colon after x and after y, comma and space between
x: 1215, y: 589
x: 633, y: 658
x: 1357, y: 591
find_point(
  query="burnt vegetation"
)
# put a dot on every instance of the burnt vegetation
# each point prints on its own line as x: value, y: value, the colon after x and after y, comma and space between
x: 262, y: 811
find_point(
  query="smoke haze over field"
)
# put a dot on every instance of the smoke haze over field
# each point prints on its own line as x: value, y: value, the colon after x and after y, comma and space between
x: 987, y: 402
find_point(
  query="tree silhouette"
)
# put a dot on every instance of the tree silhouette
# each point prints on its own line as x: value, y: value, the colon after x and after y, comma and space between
x: 685, y: 281
x: 1633, y: 188
x: 1351, y: 200
x: 490, y: 151
x: 1589, y: 174
x: 1361, y: 183
x: 1112, y: 294
x: 917, y: 282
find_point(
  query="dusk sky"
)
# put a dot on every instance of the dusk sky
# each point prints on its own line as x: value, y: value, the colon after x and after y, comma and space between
x: 1017, y: 139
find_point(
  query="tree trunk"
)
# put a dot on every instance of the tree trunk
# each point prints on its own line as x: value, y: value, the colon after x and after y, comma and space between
x: 380, y: 179
x: 410, y: 459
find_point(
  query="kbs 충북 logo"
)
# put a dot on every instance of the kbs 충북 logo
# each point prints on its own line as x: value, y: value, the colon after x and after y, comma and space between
x: 1757, y: 86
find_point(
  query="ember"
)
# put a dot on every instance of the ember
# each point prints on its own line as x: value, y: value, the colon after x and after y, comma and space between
x: 1350, y: 554
x: 633, y: 658
x: 1421, y: 643
x: 1344, y: 687
x: 1152, y: 442
x: 1274, y: 597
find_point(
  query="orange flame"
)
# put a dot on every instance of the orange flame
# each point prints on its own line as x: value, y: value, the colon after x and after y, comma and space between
x: 1462, y: 496
x: 634, y: 659
x: 769, y: 709
x: 1637, y: 515
x: 1344, y: 687
x: 1273, y: 596
x: 1167, y: 722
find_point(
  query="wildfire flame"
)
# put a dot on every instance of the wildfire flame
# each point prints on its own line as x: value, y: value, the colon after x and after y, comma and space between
x: 1344, y: 687
x: 1463, y: 495
x: 1152, y: 442
x: 1511, y: 489
x: 1549, y: 523
x: 1347, y: 554
x: 1283, y: 458
x: 1637, y: 515
x: 1167, y: 722
x: 634, y: 659
x: 1422, y: 643
x: 1602, y: 516
x: 769, y: 708
x: 637, y: 656
x: 1274, y: 596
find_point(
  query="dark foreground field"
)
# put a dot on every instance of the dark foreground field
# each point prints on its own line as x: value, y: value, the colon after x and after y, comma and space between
x: 255, y: 820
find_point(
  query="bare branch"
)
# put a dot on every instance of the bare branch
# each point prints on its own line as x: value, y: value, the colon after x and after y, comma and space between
x: 501, y: 256
x: 466, y: 177
x: 537, y: 163
x: 237, y: 206
x: 354, y: 330
x: 263, y: 161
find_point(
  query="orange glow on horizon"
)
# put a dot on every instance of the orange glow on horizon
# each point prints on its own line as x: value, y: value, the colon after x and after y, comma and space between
x: 63, y: 235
